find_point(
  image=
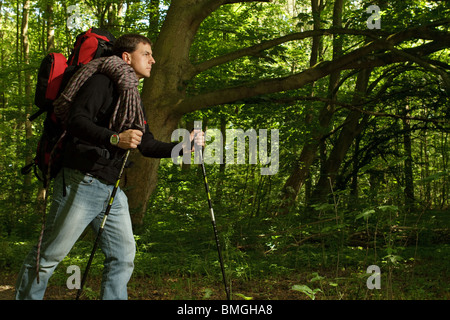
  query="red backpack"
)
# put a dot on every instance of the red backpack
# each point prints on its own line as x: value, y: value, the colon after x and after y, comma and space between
x: 54, y: 73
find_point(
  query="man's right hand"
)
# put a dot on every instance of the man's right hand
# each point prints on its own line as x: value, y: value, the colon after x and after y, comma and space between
x: 130, y: 139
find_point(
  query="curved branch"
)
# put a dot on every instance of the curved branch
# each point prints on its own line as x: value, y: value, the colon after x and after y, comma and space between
x: 255, y: 49
x: 360, y: 58
x: 427, y: 66
x: 421, y: 32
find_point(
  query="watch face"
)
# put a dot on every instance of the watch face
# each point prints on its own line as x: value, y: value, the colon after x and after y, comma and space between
x: 114, y: 139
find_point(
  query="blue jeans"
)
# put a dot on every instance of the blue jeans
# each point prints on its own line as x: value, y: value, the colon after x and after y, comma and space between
x: 69, y: 215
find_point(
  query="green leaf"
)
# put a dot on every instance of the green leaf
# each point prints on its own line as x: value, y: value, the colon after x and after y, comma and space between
x: 316, y: 277
x: 366, y: 214
x: 333, y: 284
x: 207, y: 293
x: 306, y: 290
x: 387, y: 208
x: 243, y: 296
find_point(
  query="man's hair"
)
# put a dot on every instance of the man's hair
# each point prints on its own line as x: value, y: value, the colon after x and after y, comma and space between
x: 128, y: 43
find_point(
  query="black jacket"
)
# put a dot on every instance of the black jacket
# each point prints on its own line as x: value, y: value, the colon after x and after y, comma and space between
x: 88, y: 148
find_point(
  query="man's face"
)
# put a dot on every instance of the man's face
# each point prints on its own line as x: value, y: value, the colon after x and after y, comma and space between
x: 141, y: 60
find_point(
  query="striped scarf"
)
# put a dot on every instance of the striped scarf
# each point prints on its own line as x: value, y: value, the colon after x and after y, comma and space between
x: 128, y: 112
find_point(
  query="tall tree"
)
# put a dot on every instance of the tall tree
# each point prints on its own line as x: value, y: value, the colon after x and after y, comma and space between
x: 28, y: 87
x: 408, y: 166
x: 50, y: 27
x: 350, y: 130
x: 309, y: 151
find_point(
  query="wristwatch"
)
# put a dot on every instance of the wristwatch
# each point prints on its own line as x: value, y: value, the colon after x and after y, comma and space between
x: 114, y: 139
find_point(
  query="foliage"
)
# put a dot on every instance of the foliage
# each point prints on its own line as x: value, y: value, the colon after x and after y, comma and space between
x: 332, y: 232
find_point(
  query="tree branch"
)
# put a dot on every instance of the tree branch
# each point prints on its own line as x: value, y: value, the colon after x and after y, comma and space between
x: 360, y: 58
x: 423, y: 32
x: 254, y: 50
x: 426, y: 65
x: 354, y: 107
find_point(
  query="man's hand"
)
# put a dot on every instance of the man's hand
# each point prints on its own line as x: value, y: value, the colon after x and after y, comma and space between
x: 199, y: 137
x: 130, y: 139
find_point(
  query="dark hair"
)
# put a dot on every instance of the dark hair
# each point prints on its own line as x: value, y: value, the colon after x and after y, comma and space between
x: 128, y: 43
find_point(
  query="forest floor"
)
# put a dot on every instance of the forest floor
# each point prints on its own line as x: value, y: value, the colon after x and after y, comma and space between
x: 169, y: 289
x: 415, y: 285
x: 170, y: 267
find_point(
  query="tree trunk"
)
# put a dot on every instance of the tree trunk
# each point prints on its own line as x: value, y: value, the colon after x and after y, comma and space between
x: 141, y: 179
x: 445, y: 183
x: 27, y: 101
x: 50, y: 27
x: 355, y: 164
x: 426, y: 167
x: 309, y: 151
x: 162, y: 92
x: 408, y: 171
x: 154, y: 17
x: 349, y: 132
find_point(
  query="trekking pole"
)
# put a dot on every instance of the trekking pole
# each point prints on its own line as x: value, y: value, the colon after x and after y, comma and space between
x: 102, y: 225
x: 213, y: 221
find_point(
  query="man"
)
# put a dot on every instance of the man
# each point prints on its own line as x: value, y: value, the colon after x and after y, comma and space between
x: 103, y: 122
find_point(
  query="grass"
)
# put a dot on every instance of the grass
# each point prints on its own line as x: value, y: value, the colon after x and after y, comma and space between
x: 266, y: 259
x: 298, y: 274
